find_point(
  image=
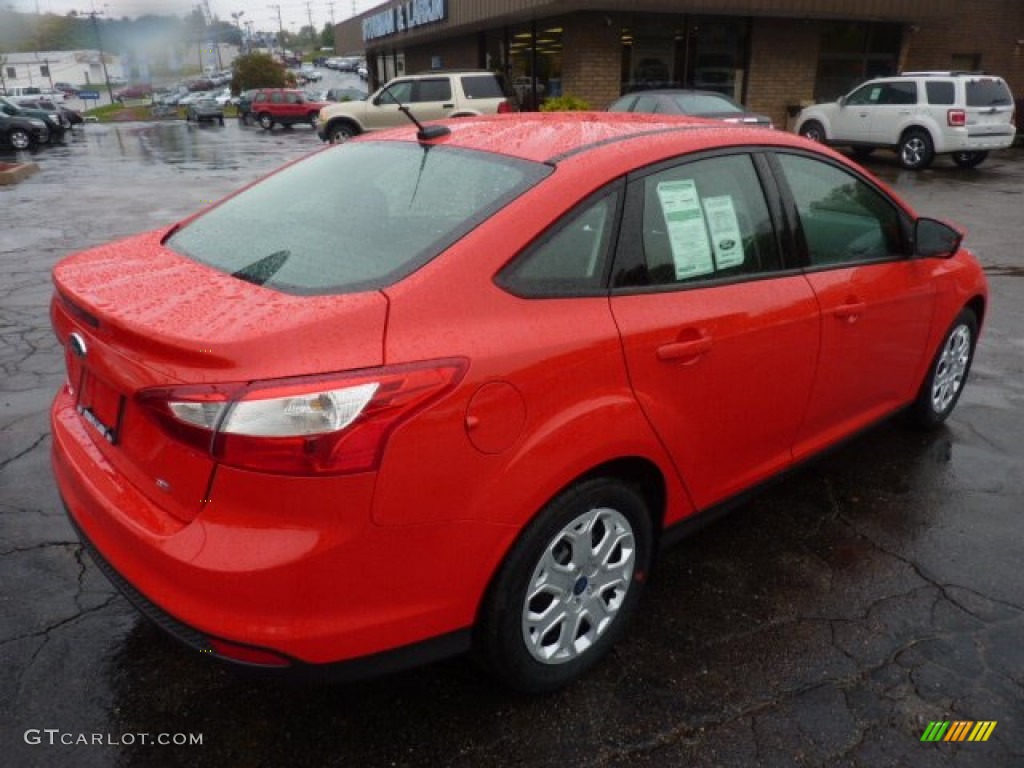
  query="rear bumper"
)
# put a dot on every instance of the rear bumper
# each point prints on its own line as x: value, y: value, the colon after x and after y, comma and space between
x: 294, y: 566
x: 973, y: 141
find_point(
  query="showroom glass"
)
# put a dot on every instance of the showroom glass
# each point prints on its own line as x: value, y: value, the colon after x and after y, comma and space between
x: 382, y: 209
x: 844, y: 220
x: 706, y: 220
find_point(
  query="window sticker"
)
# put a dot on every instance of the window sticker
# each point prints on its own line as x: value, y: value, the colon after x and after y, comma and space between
x: 687, y: 235
x: 725, y: 231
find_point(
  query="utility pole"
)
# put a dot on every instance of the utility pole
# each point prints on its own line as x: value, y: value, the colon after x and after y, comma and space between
x: 280, y: 26
x: 312, y: 29
x: 331, y: 6
x: 99, y: 44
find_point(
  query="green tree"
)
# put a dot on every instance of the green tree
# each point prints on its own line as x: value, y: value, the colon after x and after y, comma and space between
x: 257, y: 70
x: 327, y: 36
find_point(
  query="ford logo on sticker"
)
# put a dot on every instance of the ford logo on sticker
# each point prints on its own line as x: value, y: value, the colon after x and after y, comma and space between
x: 727, y: 245
x: 77, y: 344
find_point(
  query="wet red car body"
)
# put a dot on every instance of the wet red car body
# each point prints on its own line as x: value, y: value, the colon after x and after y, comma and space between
x: 487, y: 384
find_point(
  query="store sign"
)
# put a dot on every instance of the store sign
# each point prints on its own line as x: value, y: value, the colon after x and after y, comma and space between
x: 404, y: 17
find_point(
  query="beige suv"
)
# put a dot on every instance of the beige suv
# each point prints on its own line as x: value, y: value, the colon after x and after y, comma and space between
x: 920, y: 115
x: 429, y: 96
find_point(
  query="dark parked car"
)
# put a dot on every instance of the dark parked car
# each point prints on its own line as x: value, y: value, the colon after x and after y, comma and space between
x: 55, y: 123
x: 709, y: 104
x: 346, y: 94
x: 139, y: 91
x: 73, y: 116
x: 22, y: 132
x: 204, y: 109
x: 243, y: 103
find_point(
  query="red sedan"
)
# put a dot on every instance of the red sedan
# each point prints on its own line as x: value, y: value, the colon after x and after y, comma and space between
x: 419, y: 394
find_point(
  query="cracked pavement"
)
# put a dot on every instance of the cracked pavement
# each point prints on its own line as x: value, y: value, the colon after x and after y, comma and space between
x: 826, y: 622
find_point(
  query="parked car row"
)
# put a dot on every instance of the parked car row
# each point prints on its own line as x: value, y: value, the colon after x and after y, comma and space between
x: 30, y: 124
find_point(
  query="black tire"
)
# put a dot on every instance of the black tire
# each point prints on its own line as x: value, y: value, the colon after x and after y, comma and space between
x: 340, y: 131
x: 969, y: 159
x: 312, y: 116
x: 916, y: 151
x: 863, y: 153
x: 948, y: 372
x: 814, y: 131
x: 266, y: 121
x: 614, y: 552
x: 20, y: 139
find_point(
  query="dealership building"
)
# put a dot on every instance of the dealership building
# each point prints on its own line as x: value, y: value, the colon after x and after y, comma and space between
x: 773, y: 55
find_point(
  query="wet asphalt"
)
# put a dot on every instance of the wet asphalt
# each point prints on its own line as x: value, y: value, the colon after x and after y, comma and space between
x: 826, y: 622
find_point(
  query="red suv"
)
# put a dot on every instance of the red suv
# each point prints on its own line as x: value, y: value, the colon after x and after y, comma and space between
x: 284, y: 106
x: 459, y: 400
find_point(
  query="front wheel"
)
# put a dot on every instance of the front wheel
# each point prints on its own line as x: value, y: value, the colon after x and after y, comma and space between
x: 266, y: 122
x: 20, y: 139
x: 969, y: 159
x: 916, y: 150
x: 340, y: 132
x: 948, y: 372
x: 568, y: 588
x: 813, y: 130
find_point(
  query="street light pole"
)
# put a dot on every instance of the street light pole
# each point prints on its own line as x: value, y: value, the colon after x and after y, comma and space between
x: 241, y: 37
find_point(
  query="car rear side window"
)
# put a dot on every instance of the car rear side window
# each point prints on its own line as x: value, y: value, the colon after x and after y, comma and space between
x: 355, y: 217
x: 482, y: 87
x: 940, y: 93
x: 988, y: 92
x: 569, y: 260
x: 433, y: 90
x: 705, y: 220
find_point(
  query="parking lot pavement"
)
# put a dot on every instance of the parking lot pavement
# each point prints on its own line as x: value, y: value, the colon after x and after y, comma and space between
x: 827, y: 622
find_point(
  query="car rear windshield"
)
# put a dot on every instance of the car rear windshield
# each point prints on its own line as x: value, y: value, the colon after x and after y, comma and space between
x: 354, y: 217
x: 705, y: 104
x: 988, y: 92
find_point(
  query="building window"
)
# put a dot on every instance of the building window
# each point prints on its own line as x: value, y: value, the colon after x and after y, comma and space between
x: 965, y: 62
x: 852, y: 52
x: 12, y: 73
x: 535, y: 61
x: 704, y: 52
x: 44, y: 70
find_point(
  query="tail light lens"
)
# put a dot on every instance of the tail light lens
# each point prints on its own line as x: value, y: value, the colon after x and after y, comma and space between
x: 504, y: 107
x: 312, y: 425
x: 957, y: 118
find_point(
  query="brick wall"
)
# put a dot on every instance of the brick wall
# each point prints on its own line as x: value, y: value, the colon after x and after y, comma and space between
x: 988, y: 28
x: 783, y: 64
x: 457, y: 53
x: 592, y: 58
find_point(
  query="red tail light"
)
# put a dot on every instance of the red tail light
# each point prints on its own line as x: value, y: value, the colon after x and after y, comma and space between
x: 956, y: 118
x: 310, y: 425
x: 504, y: 107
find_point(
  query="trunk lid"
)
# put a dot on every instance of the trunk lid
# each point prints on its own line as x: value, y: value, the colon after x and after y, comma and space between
x: 134, y: 315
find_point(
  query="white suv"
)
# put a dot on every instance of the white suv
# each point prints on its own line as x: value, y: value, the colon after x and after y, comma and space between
x: 920, y: 115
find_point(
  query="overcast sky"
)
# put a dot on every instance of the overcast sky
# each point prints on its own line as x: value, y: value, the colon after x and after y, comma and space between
x: 264, y: 17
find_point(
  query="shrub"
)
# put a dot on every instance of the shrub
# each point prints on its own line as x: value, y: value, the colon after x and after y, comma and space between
x: 565, y: 104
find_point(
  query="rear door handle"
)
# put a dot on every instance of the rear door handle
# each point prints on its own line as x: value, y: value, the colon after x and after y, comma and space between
x: 684, y: 351
x: 850, y: 312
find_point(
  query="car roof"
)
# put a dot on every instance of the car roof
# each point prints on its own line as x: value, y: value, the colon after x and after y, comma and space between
x: 639, y: 139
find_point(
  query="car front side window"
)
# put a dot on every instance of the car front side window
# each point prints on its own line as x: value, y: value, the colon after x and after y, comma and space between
x: 843, y: 219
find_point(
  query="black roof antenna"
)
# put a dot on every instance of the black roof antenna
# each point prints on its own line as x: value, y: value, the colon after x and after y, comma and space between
x: 425, y: 132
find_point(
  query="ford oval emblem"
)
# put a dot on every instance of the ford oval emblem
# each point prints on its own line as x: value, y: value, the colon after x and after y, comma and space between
x: 77, y: 344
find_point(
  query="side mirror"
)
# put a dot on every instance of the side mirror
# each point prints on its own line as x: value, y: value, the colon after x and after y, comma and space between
x: 932, y: 238
x: 842, y: 101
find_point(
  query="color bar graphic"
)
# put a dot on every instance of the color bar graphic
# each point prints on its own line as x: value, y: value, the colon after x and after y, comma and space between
x: 958, y: 730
